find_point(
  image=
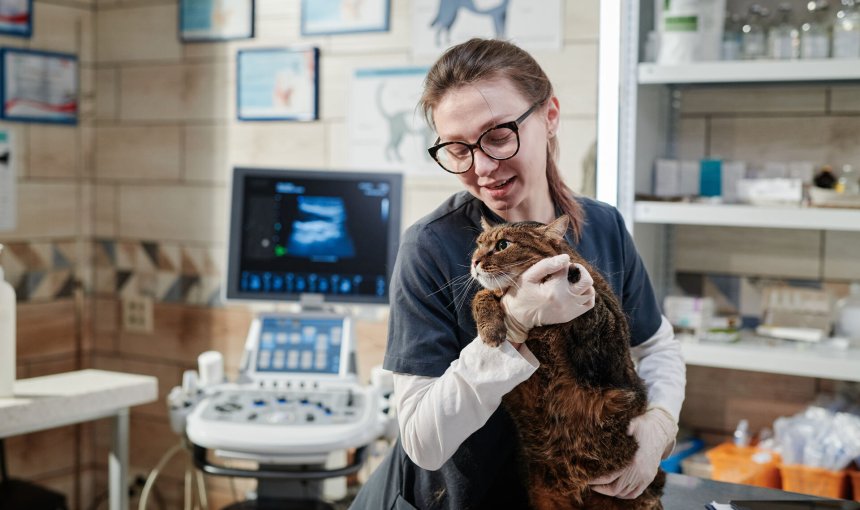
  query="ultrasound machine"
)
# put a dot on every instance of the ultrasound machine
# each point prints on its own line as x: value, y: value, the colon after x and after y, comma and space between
x: 327, y: 241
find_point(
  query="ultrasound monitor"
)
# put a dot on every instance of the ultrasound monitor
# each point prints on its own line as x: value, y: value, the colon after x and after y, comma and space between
x: 296, y: 233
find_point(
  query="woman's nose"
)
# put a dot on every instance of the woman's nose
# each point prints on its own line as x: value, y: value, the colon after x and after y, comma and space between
x: 484, y: 165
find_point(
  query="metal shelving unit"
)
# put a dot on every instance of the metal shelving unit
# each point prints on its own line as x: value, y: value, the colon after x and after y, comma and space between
x: 638, y: 111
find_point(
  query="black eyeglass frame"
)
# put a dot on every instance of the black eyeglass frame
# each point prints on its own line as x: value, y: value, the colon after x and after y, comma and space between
x: 513, y: 125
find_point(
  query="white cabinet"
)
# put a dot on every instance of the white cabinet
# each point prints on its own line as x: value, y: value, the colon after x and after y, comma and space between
x: 638, y: 121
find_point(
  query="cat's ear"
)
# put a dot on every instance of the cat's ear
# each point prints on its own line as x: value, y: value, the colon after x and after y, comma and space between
x: 485, y: 224
x: 558, y: 227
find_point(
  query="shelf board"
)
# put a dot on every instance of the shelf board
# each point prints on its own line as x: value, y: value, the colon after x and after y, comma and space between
x: 751, y: 71
x: 776, y: 357
x: 808, y: 218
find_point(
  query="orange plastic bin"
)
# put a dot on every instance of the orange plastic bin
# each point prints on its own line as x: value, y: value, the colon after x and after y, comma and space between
x: 746, y: 465
x: 814, y: 481
x: 854, y: 475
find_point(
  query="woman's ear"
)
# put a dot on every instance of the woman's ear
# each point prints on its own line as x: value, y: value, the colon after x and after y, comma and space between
x: 552, y: 116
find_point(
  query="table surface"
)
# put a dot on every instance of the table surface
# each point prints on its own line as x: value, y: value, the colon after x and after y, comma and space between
x: 684, y: 492
x: 55, y: 400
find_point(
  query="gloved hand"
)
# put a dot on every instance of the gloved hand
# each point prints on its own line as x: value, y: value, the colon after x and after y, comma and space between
x: 655, y: 432
x: 542, y: 295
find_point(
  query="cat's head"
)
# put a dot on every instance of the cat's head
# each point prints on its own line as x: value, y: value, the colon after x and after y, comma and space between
x: 506, y: 250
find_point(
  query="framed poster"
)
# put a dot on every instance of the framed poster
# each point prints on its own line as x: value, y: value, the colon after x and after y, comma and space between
x: 322, y: 17
x: 215, y: 20
x: 277, y: 84
x: 8, y: 183
x: 386, y: 129
x: 16, y: 17
x: 39, y: 86
x: 531, y: 24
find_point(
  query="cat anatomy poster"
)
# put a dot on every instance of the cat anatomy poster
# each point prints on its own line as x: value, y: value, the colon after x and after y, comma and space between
x: 532, y: 24
x: 386, y: 129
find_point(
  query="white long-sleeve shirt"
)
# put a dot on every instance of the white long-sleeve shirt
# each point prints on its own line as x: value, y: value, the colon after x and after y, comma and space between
x: 436, y: 414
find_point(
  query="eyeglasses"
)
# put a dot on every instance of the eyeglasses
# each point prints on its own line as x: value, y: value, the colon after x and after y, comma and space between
x: 499, y: 142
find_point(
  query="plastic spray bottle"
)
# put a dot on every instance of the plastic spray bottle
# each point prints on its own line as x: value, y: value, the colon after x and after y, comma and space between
x: 7, y: 336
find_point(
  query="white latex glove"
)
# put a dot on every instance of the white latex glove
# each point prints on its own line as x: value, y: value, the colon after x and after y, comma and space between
x: 542, y: 295
x: 655, y: 432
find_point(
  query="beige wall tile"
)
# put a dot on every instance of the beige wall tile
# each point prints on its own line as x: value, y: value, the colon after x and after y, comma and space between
x: 87, y: 149
x: 692, y: 138
x: 573, y: 72
x: 830, y: 140
x: 33, y: 454
x: 209, y: 91
x: 46, y: 209
x: 151, y: 92
x: 87, y: 93
x: 85, y: 212
x: 282, y: 144
x: 748, y: 251
x: 581, y: 20
x: 105, y: 210
x: 171, y: 212
x: 842, y: 255
x: 575, y: 138
x: 54, y: 151
x: 137, y: 33
x: 753, y: 100
x: 107, y: 93
x: 138, y: 153
x: 207, y: 154
x: 845, y: 99
x: 61, y: 28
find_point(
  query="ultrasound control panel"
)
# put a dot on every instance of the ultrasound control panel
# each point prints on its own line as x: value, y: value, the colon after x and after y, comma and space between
x: 286, y: 408
x: 297, y: 392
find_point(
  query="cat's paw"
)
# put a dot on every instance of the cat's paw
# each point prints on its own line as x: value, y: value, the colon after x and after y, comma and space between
x: 493, y: 336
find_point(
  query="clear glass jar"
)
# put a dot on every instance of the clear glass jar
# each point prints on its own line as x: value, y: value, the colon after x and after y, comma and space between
x: 753, y: 35
x: 846, y: 30
x: 848, y: 315
x: 783, y: 37
x: 815, y: 32
x: 731, y: 47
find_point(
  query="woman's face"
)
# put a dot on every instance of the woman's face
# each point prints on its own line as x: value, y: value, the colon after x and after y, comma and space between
x: 516, y: 189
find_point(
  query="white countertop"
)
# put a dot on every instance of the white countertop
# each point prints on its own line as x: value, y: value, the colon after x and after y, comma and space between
x: 55, y: 400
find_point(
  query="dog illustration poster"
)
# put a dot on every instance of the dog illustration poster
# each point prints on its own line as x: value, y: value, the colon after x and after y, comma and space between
x: 532, y: 24
x: 386, y: 129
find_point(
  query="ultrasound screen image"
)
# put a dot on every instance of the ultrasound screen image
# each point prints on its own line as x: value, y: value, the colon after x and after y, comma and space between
x: 307, y: 234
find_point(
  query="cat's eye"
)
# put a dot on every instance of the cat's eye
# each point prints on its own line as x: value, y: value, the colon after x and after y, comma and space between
x: 502, y: 244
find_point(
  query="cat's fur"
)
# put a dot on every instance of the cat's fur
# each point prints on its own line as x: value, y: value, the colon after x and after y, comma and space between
x: 572, y: 414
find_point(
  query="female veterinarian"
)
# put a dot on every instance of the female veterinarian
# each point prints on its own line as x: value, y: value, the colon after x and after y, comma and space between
x: 496, y: 117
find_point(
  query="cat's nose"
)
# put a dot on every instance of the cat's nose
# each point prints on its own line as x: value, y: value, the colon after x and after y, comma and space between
x: 474, y: 262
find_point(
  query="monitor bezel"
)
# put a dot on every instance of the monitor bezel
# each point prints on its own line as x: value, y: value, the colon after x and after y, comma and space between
x: 236, y: 207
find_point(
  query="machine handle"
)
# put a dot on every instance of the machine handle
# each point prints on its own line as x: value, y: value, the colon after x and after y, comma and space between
x: 200, y: 460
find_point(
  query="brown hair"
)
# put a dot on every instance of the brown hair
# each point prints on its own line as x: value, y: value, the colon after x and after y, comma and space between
x: 484, y: 59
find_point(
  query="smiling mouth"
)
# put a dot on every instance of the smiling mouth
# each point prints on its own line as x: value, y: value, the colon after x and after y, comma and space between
x: 501, y: 184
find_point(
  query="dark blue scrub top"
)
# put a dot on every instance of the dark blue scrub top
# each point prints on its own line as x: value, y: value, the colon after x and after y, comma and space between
x: 431, y: 321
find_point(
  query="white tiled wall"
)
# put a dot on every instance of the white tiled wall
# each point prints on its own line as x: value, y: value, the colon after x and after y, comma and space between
x: 759, y: 124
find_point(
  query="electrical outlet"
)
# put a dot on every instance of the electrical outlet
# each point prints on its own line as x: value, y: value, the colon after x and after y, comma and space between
x: 137, y: 315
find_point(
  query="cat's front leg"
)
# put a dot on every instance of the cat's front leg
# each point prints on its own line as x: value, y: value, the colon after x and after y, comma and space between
x: 489, y: 318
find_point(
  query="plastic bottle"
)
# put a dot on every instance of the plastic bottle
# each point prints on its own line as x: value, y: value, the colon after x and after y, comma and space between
x: 753, y: 35
x: 846, y: 30
x: 815, y: 33
x: 742, y: 434
x: 7, y: 336
x: 848, y: 315
x: 731, y: 48
x: 784, y: 37
x: 848, y: 181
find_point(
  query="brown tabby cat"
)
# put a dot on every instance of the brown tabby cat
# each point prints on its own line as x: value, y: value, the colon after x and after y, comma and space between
x: 572, y: 414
